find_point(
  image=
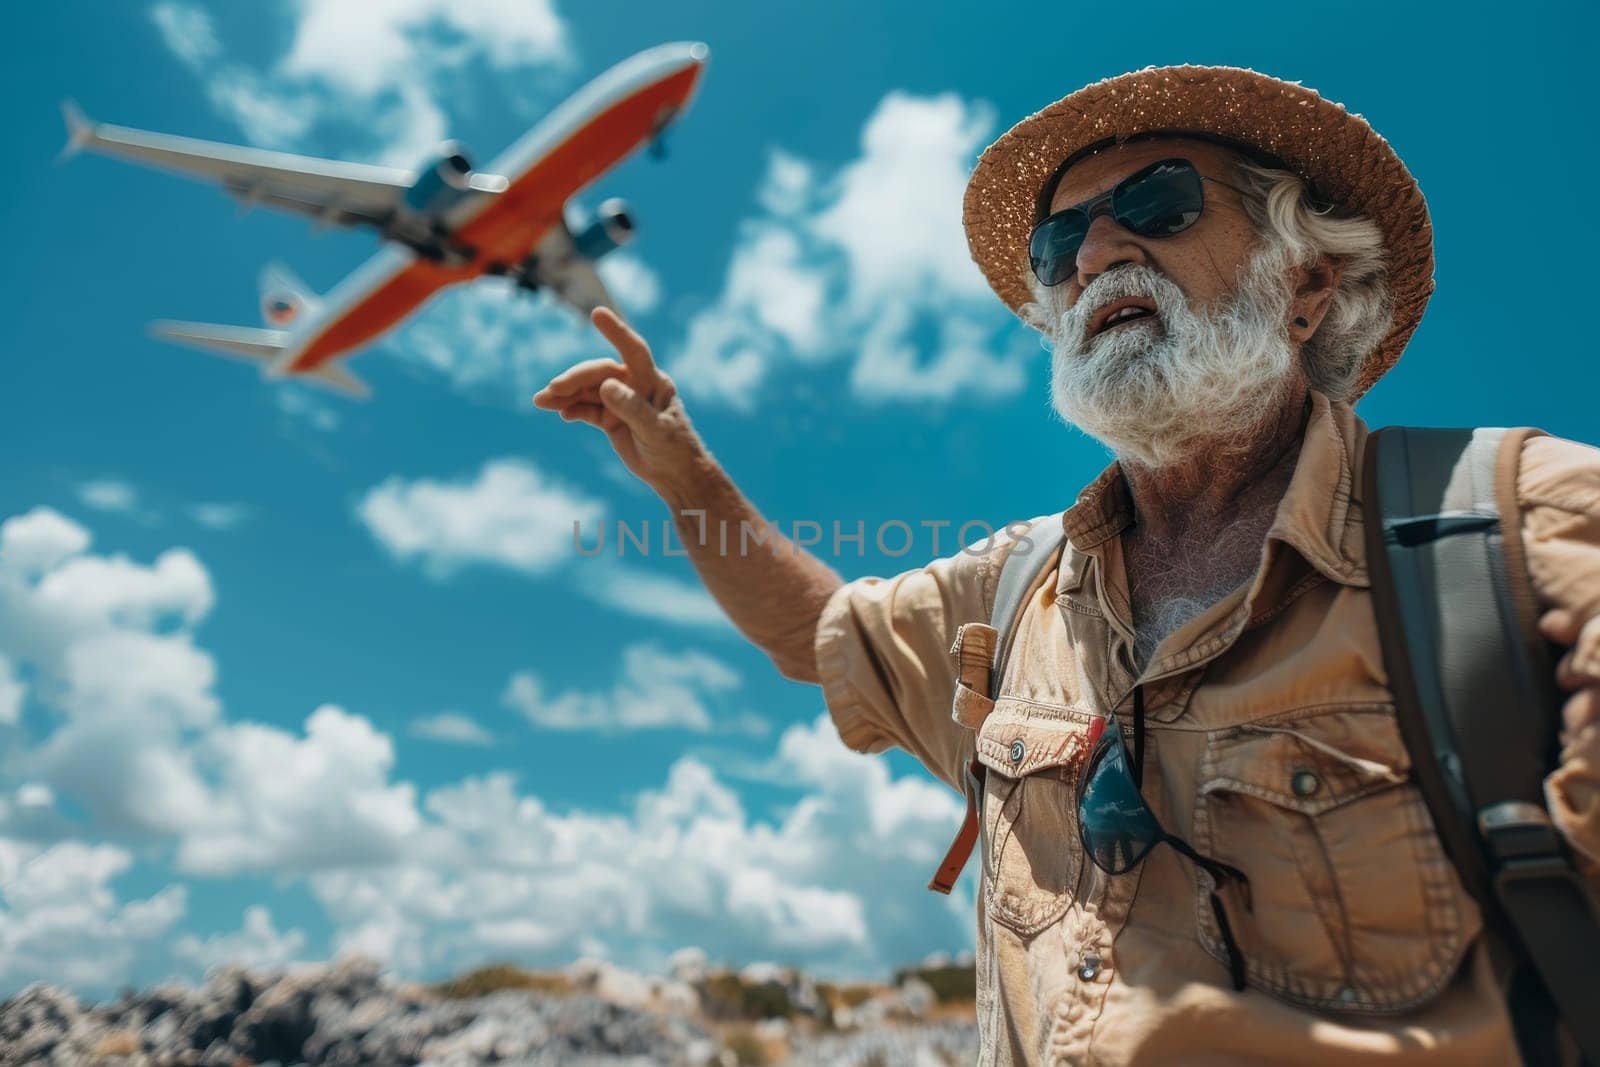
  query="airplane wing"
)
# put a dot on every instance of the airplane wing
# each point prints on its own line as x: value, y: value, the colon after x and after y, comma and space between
x: 558, y: 266
x: 330, y: 191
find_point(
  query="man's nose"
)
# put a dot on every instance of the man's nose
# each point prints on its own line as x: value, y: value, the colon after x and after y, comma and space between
x: 1106, y: 245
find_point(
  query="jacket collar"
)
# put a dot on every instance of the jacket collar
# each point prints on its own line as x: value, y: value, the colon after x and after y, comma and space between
x: 1319, y: 516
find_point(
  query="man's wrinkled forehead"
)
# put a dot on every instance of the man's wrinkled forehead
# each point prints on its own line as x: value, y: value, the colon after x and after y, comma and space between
x: 1091, y: 172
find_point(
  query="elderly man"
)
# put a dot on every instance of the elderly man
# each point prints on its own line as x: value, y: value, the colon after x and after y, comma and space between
x: 1223, y: 263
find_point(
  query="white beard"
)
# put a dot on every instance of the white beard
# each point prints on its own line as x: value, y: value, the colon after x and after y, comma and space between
x: 1178, y: 382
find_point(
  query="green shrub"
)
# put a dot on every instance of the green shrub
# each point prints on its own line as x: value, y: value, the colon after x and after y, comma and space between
x: 727, y: 996
x: 767, y: 1000
x: 836, y: 998
x: 949, y: 983
x: 498, y: 976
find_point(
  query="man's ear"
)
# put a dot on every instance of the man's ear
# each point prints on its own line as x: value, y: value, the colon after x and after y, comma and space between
x: 1314, y: 289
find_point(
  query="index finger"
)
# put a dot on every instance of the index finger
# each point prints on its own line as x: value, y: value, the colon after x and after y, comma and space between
x: 630, y: 346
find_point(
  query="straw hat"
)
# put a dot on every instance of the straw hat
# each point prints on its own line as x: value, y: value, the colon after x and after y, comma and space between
x: 1342, y: 157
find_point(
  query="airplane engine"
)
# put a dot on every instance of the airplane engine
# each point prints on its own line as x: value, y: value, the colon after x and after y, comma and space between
x: 442, y: 182
x: 611, y: 229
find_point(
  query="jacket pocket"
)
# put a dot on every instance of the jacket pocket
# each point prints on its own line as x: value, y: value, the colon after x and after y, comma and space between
x: 1031, y: 850
x: 1355, y: 905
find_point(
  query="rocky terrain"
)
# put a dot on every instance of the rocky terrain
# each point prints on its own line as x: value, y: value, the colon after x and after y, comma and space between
x: 591, y: 1013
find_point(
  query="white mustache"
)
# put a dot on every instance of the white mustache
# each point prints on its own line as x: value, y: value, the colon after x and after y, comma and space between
x: 1118, y: 284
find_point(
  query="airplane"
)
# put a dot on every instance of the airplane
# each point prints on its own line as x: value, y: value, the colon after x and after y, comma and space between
x: 444, y: 224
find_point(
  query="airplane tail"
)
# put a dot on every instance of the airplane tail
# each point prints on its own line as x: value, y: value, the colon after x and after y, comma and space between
x: 286, y: 301
x: 259, y: 346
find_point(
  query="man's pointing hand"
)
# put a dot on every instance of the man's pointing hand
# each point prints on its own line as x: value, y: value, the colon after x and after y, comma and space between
x: 634, y: 402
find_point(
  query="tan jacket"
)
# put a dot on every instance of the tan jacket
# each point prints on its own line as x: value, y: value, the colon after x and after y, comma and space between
x: 1271, y: 744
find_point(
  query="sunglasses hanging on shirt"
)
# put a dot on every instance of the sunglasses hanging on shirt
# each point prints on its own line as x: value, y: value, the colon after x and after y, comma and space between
x: 1118, y: 829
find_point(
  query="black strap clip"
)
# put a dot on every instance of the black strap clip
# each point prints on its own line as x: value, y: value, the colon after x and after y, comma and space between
x: 1524, y: 844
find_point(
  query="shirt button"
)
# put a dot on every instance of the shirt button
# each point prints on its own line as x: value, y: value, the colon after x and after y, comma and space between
x: 1347, y: 994
x: 1304, y: 783
x: 1017, y: 750
x: 1089, y: 967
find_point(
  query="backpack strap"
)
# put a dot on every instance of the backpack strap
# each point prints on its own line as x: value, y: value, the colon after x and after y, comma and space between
x: 981, y: 652
x: 1476, y: 702
x: 1024, y: 566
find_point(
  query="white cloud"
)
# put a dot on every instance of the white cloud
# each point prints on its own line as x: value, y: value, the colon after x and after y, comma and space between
x: 772, y: 280
x: 108, y: 494
x: 914, y: 810
x: 109, y: 645
x: 451, y: 728
x: 97, y: 591
x: 298, y: 404
x: 891, y: 365
x: 511, y: 516
x: 62, y: 922
x: 365, y: 49
x: 656, y: 690
x: 187, y: 31
x: 786, y: 192
x: 131, y: 699
x: 219, y: 516
x: 89, y: 621
x: 34, y: 795
x: 412, y: 131
x: 257, y: 944
x: 140, y: 745
x: 286, y: 803
x: 797, y: 916
x: 431, y: 882
x: 646, y: 593
x: 37, y: 541
x: 836, y: 884
x: 867, y: 264
x: 30, y: 813
x: 636, y: 287
x: 375, y: 73
x: 896, y: 210
x: 272, y: 112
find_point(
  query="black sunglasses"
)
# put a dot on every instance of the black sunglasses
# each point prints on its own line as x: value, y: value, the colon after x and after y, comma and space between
x: 1118, y: 829
x: 1163, y: 199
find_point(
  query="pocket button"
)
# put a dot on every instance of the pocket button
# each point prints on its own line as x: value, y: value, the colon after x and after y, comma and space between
x: 1089, y: 967
x: 1304, y: 783
x: 1017, y: 750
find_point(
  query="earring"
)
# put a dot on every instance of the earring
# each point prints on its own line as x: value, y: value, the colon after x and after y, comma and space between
x: 1301, y: 322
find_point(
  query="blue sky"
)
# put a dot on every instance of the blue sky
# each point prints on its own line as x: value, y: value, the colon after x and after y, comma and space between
x: 285, y: 675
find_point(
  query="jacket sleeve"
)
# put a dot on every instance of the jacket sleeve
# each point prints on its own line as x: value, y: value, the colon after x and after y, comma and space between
x: 884, y: 659
x: 1558, y: 487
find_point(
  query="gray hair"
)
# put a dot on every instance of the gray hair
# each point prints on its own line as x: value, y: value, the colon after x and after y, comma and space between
x: 1285, y: 213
